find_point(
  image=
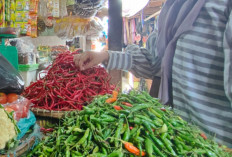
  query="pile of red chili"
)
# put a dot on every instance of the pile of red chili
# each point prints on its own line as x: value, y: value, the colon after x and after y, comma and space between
x: 65, y: 87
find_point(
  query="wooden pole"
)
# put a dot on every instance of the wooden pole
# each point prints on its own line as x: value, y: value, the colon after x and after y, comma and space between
x: 115, y: 35
x: 153, y: 15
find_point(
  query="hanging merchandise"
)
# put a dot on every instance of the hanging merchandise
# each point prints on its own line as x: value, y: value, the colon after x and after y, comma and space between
x: 71, y: 26
x: 33, y: 10
x: 50, y: 9
x: 2, y: 13
x: 22, y: 15
x: 87, y: 8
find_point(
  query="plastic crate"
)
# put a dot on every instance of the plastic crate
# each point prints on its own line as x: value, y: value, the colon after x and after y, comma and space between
x: 28, y: 67
x: 28, y: 73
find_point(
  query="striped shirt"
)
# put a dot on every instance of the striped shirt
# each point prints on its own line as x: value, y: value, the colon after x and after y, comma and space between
x: 201, y: 70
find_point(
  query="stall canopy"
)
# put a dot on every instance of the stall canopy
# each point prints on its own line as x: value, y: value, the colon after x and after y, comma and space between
x: 131, y: 7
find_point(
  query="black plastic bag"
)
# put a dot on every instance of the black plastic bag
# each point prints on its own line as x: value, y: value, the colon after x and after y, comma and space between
x: 10, y: 79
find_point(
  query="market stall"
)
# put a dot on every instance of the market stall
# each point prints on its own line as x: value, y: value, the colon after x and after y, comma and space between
x: 49, y: 107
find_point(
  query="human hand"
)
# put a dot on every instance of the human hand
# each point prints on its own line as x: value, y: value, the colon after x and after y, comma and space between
x: 89, y: 59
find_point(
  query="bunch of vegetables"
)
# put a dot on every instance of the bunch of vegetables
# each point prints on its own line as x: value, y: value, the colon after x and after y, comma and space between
x: 126, y: 125
x: 65, y: 87
x: 9, y: 131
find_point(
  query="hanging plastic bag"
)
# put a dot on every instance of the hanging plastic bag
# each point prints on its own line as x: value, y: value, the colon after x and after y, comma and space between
x: 10, y: 79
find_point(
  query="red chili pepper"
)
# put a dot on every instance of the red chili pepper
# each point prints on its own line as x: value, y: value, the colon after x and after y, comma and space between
x: 110, y: 100
x: 203, y: 135
x: 65, y: 87
x: 117, y: 107
x: 127, y: 104
x: 132, y: 149
x: 163, y: 109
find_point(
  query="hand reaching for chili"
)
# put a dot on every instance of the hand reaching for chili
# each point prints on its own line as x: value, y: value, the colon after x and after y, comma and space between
x: 89, y: 59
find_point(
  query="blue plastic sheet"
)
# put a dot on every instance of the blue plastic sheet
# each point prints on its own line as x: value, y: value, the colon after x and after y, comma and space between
x: 24, y: 124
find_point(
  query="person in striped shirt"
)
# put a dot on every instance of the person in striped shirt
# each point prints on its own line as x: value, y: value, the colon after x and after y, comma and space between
x: 192, y: 53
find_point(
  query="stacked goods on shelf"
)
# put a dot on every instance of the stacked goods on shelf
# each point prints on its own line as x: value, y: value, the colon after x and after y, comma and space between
x: 133, y: 124
x: 48, y: 53
x: 65, y: 87
x: 20, y: 14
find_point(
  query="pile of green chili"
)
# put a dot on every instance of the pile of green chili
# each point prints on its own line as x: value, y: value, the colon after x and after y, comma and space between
x: 134, y: 125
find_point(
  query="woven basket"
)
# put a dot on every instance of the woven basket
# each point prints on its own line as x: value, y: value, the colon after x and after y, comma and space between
x: 49, y: 113
x: 21, y: 149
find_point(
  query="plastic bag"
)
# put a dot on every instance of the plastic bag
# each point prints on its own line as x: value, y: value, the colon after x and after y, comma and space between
x: 10, y: 79
x: 24, y: 124
x: 25, y: 49
x: 20, y: 107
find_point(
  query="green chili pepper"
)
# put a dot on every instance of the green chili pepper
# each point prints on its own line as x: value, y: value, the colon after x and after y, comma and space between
x: 178, y: 145
x: 58, y: 137
x: 155, y: 113
x: 117, y: 153
x: 108, y: 118
x: 137, y: 100
x: 67, y: 153
x: 167, y: 144
x: 125, y: 112
x: 187, y: 138
x: 135, y: 121
x: 148, y: 147
x: 88, y: 110
x: 157, y: 151
x: 123, y: 129
x: 88, y: 123
x: 210, y: 154
x: 35, y: 149
x: 140, y: 107
x: 157, y: 141
x: 75, y: 153
x: 144, y: 118
x: 117, y: 132
x: 126, y: 134
x: 84, y: 138
x: 98, y: 155
x: 140, y: 139
x: 140, y: 148
x: 147, y: 126
x: 158, y: 110
x: 107, y: 133
x: 98, y: 126
x: 199, y: 151
x: 96, y: 149
x: 104, y: 151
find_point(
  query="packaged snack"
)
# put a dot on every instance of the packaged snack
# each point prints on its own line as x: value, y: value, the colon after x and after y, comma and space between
x: 19, y: 16
x: 33, y: 31
x: 19, y: 5
x: 33, y: 6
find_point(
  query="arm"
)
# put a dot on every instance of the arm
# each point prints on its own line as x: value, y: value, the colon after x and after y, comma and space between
x: 227, y: 43
x: 141, y: 62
